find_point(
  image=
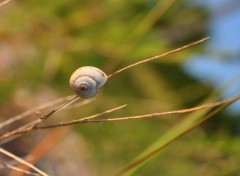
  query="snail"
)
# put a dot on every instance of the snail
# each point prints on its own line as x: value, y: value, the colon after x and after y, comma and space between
x: 87, y: 80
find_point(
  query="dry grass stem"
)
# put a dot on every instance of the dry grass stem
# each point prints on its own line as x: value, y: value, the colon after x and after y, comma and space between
x: 44, y: 145
x: 139, y: 31
x: 18, y: 169
x: 182, y: 111
x: 33, y: 125
x: 82, y: 120
x: 28, y: 127
x: 153, y: 152
x: 32, y: 111
x: 21, y: 130
x: 22, y: 161
x: 158, y: 56
x: 80, y: 104
x: 4, y: 2
x: 59, y: 108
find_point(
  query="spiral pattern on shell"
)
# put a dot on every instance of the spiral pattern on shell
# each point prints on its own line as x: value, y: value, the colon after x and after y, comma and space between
x: 87, y: 80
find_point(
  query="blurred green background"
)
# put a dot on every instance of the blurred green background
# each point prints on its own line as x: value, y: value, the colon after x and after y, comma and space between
x: 42, y: 43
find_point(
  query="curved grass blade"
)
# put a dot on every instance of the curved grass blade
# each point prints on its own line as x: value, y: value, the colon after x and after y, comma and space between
x: 190, y: 122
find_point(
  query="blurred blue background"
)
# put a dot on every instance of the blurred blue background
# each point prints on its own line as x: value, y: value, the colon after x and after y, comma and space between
x: 220, y: 64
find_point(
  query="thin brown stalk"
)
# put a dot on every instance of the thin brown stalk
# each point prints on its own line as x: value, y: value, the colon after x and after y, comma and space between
x: 80, y: 104
x: 4, y: 2
x: 153, y: 152
x: 19, y: 170
x: 182, y: 111
x: 31, y: 111
x: 139, y: 31
x: 20, y: 160
x: 34, y: 125
x: 29, y: 127
x: 59, y: 108
x: 82, y: 120
x: 23, y: 129
x: 158, y: 56
x: 42, y: 148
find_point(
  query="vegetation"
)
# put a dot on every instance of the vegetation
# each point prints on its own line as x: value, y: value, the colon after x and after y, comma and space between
x: 42, y: 43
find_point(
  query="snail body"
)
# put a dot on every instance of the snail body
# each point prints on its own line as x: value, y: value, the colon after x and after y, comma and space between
x: 87, y: 80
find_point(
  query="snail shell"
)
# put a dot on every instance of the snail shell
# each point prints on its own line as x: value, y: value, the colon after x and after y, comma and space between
x: 86, y: 81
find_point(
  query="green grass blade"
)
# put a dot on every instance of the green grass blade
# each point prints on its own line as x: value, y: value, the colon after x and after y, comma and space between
x: 190, y: 122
